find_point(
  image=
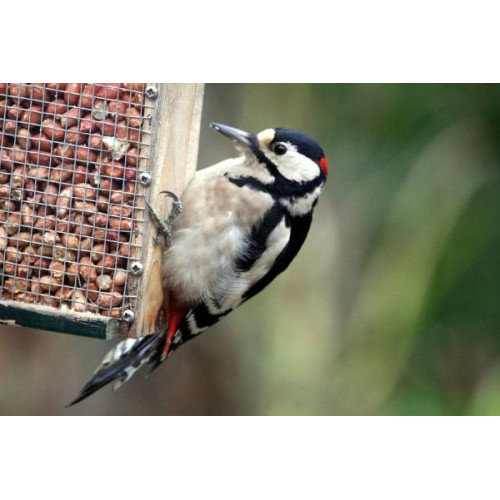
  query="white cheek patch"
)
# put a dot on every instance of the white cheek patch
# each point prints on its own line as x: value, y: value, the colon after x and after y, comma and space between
x: 296, y: 167
x: 293, y: 165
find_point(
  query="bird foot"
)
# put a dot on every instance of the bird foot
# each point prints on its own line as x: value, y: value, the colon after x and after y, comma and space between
x: 164, y: 227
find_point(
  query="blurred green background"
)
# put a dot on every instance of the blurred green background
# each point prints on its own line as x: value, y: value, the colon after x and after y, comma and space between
x: 392, y: 306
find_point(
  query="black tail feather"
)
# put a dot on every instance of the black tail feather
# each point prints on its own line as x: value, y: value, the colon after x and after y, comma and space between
x: 122, y: 362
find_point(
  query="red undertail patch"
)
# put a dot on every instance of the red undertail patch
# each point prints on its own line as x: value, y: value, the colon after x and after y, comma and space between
x: 175, y: 316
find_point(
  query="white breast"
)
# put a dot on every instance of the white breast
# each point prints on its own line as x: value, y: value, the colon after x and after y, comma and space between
x: 210, y: 233
x: 231, y: 288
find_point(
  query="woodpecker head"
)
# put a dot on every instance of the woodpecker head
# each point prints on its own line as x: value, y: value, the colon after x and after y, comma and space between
x: 288, y: 155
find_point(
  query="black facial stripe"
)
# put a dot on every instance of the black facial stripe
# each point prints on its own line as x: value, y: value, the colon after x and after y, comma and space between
x: 283, y: 188
x: 262, y: 158
x: 279, y: 189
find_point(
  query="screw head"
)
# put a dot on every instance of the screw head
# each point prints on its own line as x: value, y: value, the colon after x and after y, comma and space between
x: 145, y: 179
x: 151, y: 92
x: 128, y: 315
x: 136, y: 268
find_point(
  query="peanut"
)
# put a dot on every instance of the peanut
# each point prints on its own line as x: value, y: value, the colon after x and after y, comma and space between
x: 87, y: 269
x: 12, y: 254
x: 117, y: 109
x: 74, y: 136
x: 12, y: 223
x: 50, y: 195
x: 3, y: 238
x: 133, y: 87
x: 15, y: 285
x: 104, y: 282
x: 20, y: 91
x: 39, y: 92
x: 70, y: 241
x: 87, y: 96
x: 115, y: 313
x: 73, y: 91
x: 120, y: 224
x: 47, y: 222
x: 85, y: 155
x: 84, y: 191
x: 64, y: 201
x: 32, y: 116
x: 70, y: 118
x: 49, y: 284
x: 108, y: 90
x: 57, y: 108
x: 40, y: 157
x: 114, y: 169
x: 98, y: 252
x: 57, y: 270
x: 61, y: 173
x: 15, y: 112
x: 53, y: 130
x: 79, y: 301
x: 109, y: 299
x: 120, y: 278
x: 72, y: 272
x: 27, y: 215
x: 133, y: 117
x: 39, y: 172
x: 23, y: 138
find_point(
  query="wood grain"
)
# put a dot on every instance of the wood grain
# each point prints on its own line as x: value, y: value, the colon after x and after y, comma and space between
x: 173, y: 157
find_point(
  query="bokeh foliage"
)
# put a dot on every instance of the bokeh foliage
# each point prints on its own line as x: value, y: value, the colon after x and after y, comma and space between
x: 394, y: 307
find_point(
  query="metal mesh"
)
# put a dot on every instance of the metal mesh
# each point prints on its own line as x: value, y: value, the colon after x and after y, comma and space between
x: 71, y: 156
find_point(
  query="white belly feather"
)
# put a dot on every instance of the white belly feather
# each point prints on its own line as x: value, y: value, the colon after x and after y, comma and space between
x: 210, y: 235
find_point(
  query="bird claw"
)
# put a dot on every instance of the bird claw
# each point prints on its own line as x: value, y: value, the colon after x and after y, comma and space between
x: 172, y: 195
x: 164, y: 227
x: 176, y: 206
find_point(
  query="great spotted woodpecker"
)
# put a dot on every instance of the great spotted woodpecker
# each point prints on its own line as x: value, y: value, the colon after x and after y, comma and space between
x: 242, y: 222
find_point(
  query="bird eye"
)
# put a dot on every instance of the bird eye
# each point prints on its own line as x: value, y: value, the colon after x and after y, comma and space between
x: 279, y: 148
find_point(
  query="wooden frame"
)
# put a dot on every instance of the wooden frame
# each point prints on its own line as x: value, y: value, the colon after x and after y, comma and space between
x: 175, y: 125
x: 174, y: 153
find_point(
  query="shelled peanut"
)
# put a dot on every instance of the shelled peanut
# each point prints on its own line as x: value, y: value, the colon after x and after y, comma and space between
x: 69, y: 155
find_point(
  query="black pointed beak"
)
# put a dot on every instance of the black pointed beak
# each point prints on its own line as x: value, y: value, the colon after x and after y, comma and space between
x: 239, y: 136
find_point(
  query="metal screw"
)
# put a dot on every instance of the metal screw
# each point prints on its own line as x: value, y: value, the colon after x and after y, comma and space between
x: 151, y: 92
x: 136, y: 268
x: 145, y: 179
x: 128, y: 315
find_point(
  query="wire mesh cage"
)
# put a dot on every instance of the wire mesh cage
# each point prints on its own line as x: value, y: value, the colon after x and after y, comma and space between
x: 75, y: 169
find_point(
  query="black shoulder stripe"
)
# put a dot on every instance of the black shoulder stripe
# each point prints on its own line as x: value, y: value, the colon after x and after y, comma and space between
x: 299, y: 227
x: 258, y: 238
x: 250, y: 182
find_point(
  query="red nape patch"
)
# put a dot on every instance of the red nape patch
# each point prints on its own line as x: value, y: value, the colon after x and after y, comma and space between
x: 323, y: 165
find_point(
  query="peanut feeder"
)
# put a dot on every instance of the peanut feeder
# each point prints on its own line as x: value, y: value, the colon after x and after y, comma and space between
x: 77, y: 161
